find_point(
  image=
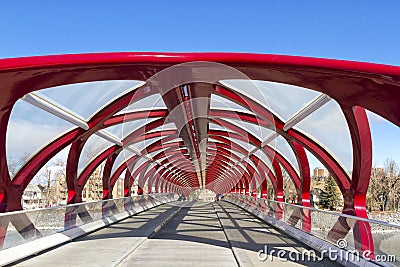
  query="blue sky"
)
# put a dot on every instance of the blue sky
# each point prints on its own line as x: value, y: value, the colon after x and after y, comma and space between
x: 354, y: 30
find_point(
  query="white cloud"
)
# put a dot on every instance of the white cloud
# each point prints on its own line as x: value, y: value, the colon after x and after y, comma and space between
x: 26, y: 137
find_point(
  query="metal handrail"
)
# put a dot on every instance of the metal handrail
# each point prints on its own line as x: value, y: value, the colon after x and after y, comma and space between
x: 337, y: 214
x: 11, y: 213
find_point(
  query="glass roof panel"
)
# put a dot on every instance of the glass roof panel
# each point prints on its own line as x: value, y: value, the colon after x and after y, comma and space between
x: 215, y: 126
x: 250, y: 162
x: 123, y: 156
x: 284, y: 100
x: 152, y: 154
x: 175, y: 140
x: 150, y: 102
x: 243, y: 167
x: 261, y: 155
x: 93, y: 147
x: 328, y: 126
x: 167, y: 126
x: 88, y: 97
x: 283, y: 147
x: 243, y: 144
x: 259, y: 131
x: 247, y: 146
x: 124, y: 129
x: 137, y: 165
x: 144, y: 143
x: 240, y: 155
x: 214, y: 141
x: 236, y: 169
x: 385, y: 141
x: 218, y: 102
x: 30, y: 129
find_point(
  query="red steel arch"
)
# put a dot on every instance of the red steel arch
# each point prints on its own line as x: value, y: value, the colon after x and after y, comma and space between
x: 353, y: 85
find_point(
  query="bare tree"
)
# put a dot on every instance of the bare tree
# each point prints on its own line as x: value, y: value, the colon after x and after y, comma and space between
x: 384, y: 188
x: 46, y: 177
x: 289, y: 188
x: 392, y: 183
x: 15, y: 164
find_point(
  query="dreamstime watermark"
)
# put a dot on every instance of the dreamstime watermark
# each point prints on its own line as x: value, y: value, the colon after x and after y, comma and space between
x: 331, y: 253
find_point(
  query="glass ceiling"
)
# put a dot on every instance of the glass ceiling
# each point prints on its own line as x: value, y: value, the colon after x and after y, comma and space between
x: 137, y: 164
x: 245, y: 145
x: 218, y: 102
x: 283, y: 147
x: 175, y: 140
x: 251, y: 163
x: 85, y: 99
x: 258, y: 131
x: 215, y: 126
x: 262, y: 156
x: 283, y: 100
x: 93, y: 147
x: 152, y: 154
x: 123, y: 156
x: 144, y: 143
x: 124, y: 129
x: 166, y: 126
x: 328, y: 126
x: 150, y: 102
x: 30, y: 129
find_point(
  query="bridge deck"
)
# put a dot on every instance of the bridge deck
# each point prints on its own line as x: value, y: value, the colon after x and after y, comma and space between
x: 182, y: 234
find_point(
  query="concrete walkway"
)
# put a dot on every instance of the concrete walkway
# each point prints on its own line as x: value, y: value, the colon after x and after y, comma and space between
x: 194, y: 237
x: 181, y: 234
x: 107, y: 246
x: 247, y: 235
x: 217, y: 234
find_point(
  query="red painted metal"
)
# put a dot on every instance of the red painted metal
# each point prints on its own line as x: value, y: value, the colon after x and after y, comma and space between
x: 353, y: 85
x: 74, y: 192
x: 340, y: 175
x: 355, y: 197
x: 107, y: 187
x: 305, y: 185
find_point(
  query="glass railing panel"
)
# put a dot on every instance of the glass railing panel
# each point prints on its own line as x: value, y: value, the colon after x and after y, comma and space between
x: 20, y: 227
x: 331, y: 227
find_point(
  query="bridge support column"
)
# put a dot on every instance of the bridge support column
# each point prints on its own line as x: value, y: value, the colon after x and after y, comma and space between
x: 279, y: 188
x: 355, y: 196
x: 305, y: 185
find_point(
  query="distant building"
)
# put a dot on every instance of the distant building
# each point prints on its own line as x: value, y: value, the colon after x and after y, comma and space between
x: 320, y: 173
x: 118, y: 190
x: 93, y: 189
x: 36, y: 196
x: 206, y: 195
x: 33, y: 197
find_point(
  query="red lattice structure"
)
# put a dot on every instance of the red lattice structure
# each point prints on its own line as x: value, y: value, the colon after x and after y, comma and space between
x: 193, y: 154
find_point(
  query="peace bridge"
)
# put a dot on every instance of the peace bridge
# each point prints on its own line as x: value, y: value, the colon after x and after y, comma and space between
x: 174, y: 123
